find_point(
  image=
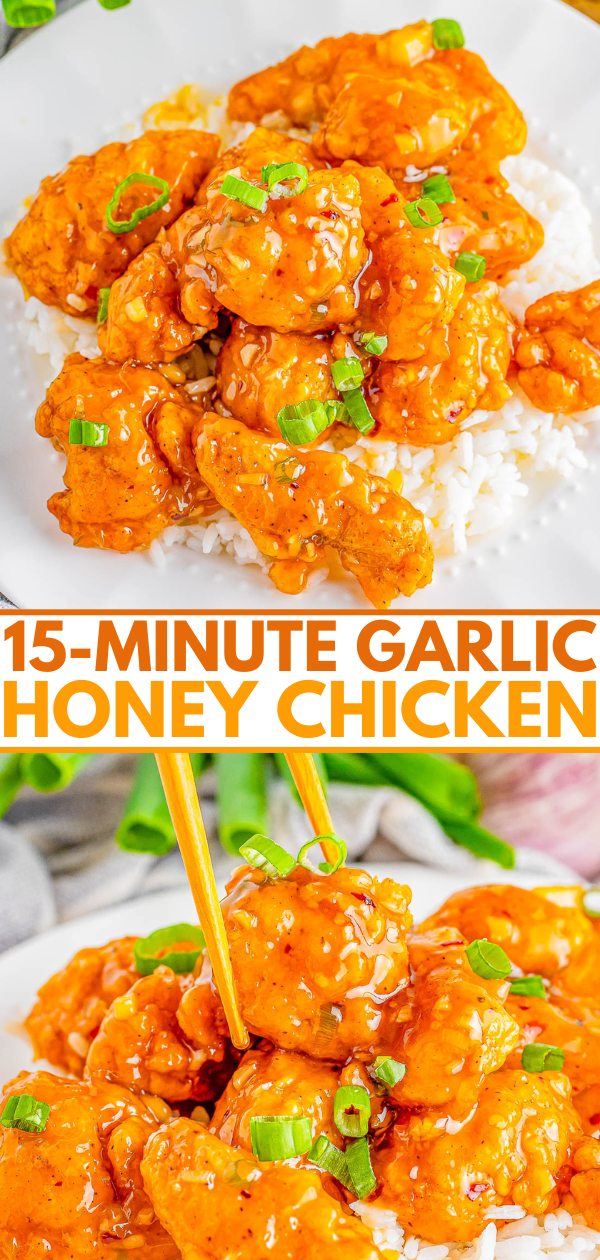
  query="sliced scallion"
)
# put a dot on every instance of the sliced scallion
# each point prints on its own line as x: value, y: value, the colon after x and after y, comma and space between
x: 447, y: 33
x: 20, y: 14
x: 471, y: 266
x: 352, y: 1110
x: 439, y: 189
x: 528, y: 986
x: 358, y: 1160
x: 267, y: 857
x: 118, y: 226
x: 248, y: 194
x: 103, y: 296
x: 488, y: 960
x: 303, y: 422
x: 373, y: 343
x: 537, y: 1057
x: 155, y: 950
x: 347, y: 373
x: 328, y: 1157
x: 87, y: 433
x: 423, y: 213
x: 25, y: 1112
x: 331, y: 838
x: 388, y: 1071
x: 358, y: 411
x: 285, y: 179
x: 280, y: 1137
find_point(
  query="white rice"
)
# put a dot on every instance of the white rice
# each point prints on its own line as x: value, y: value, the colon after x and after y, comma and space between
x: 468, y: 487
x: 556, y: 1234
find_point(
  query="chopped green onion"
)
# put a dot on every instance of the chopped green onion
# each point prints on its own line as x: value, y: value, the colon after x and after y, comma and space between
x: 302, y: 422
x: 347, y: 373
x: 241, y: 798
x: 275, y: 175
x: 114, y: 4
x: 146, y: 825
x: 11, y: 779
x: 423, y: 213
x: 103, y: 296
x: 19, y: 14
x: 447, y: 33
x: 286, y: 471
x: 360, y: 416
x: 143, y: 212
x: 439, y: 189
x: 488, y: 960
x: 387, y: 1070
x: 280, y: 1137
x: 540, y: 1058
x: 337, y: 411
x: 328, y: 1157
x: 471, y: 266
x: 326, y: 867
x: 352, y: 1110
x: 153, y: 951
x: 528, y: 986
x: 481, y: 842
x: 268, y: 857
x: 358, y: 1160
x: 25, y: 1112
x: 87, y: 433
x: 248, y: 194
x: 50, y: 771
x: 331, y: 837
x: 591, y: 903
x: 373, y: 343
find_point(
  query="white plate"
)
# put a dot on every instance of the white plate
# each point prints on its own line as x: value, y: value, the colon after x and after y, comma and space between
x: 74, y: 82
x: 26, y: 967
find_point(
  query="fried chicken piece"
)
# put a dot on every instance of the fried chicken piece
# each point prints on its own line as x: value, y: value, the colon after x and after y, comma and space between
x: 316, y: 960
x: 259, y: 371
x: 409, y: 291
x: 430, y: 100
x: 510, y: 1150
x: 75, y: 1190
x: 379, y: 536
x: 539, y: 934
x: 273, y: 1082
x: 565, y: 1022
x: 486, y: 219
x: 454, y: 1029
x: 63, y: 251
x: 123, y: 494
x: 168, y: 1036
x: 584, y: 1187
x: 289, y: 267
x: 425, y: 400
x: 558, y: 354
x: 71, y: 1005
x: 218, y: 1203
x: 587, y: 1105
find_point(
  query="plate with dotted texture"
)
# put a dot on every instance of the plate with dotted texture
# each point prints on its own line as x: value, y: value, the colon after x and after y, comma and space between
x: 73, y: 84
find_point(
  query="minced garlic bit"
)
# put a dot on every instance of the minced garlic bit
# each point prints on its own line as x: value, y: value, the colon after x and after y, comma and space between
x: 136, y: 311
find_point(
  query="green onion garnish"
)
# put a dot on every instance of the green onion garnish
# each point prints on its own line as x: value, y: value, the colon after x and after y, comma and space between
x: 387, y: 1070
x: 103, y: 296
x: 25, y: 1112
x: 352, y: 1110
x: 293, y: 172
x: 302, y: 422
x: 280, y: 1137
x: 143, y: 212
x: 447, y: 33
x: 87, y: 433
x: 152, y: 951
x: 267, y: 857
x: 438, y: 188
x: 358, y: 1160
x: 358, y: 411
x: 336, y: 410
x: 19, y: 14
x: 528, y: 986
x: 248, y: 194
x: 114, y: 4
x: 331, y: 837
x: 488, y: 960
x: 423, y: 213
x: 347, y: 374
x: 591, y: 903
x: 328, y: 1157
x: 373, y: 343
x: 540, y: 1058
x: 471, y: 266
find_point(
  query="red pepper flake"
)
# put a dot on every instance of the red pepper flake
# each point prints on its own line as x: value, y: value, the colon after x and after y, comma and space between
x: 286, y: 949
x: 330, y: 214
x: 595, y: 1119
x: 477, y: 1188
x: 245, y: 1194
x: 363, y: 897
x: 390, y: 200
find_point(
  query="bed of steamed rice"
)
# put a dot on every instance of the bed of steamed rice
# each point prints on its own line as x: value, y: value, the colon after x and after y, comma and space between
x: 510, y: 1235
x: 468, y: 487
